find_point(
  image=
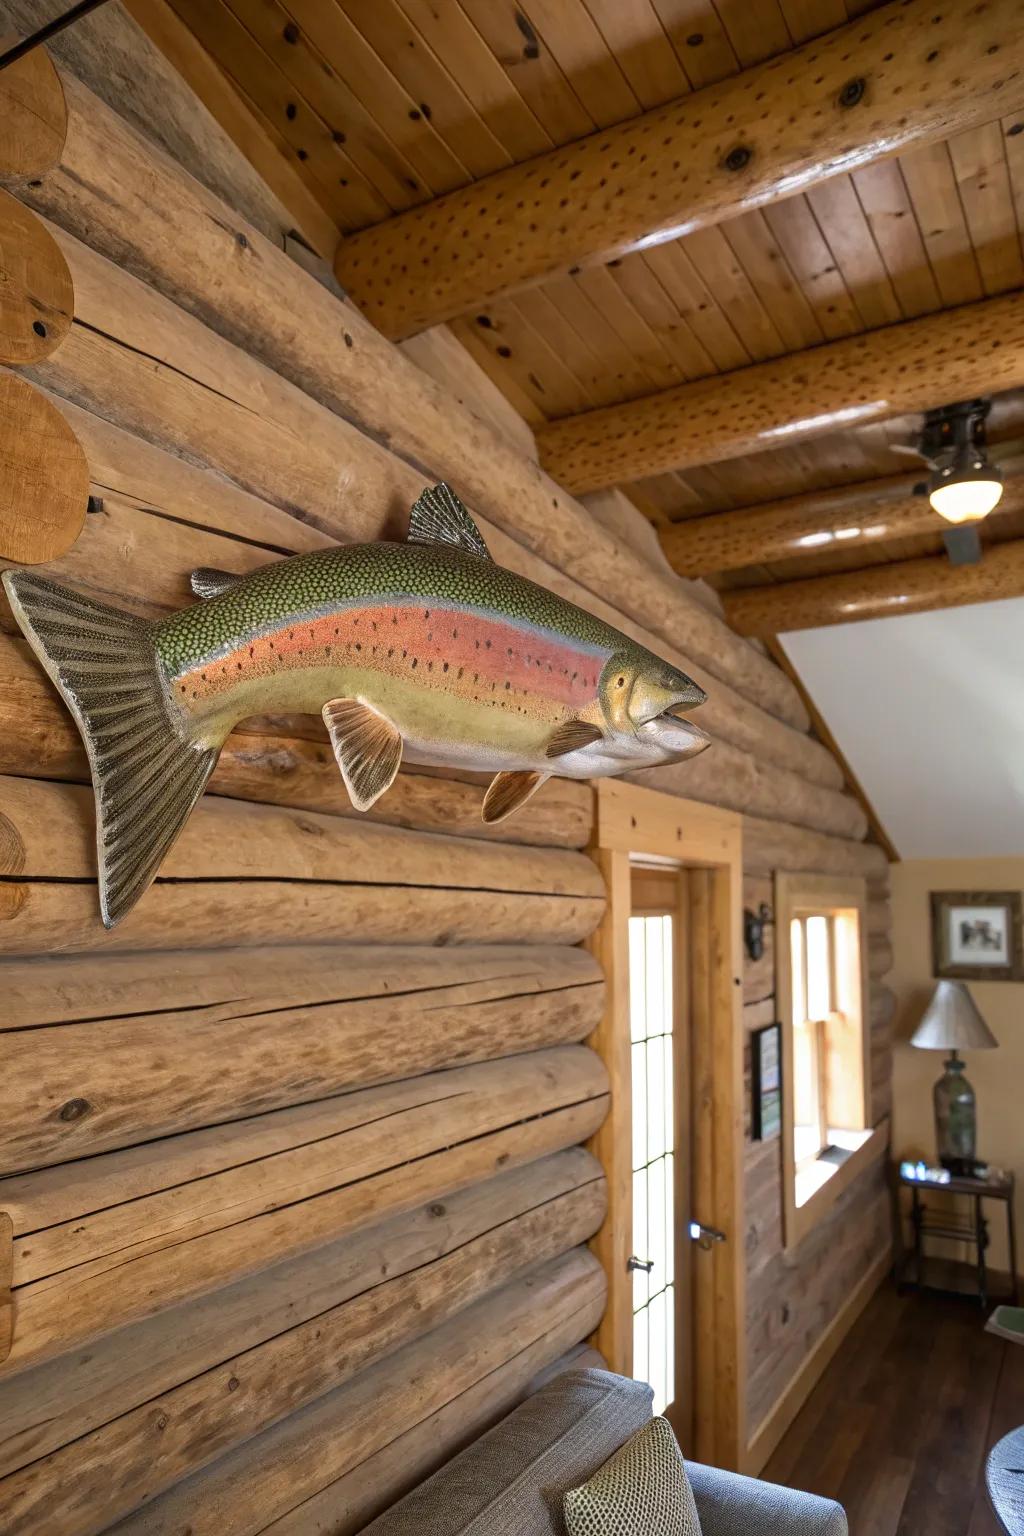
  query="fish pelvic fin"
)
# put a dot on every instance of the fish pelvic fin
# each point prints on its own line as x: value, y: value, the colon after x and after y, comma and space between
x: 367, y: 748
x: 508, y: 791
x: 146, y: 778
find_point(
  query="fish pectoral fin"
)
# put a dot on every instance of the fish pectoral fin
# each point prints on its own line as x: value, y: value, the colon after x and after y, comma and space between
x: 207, y: 581
x: 507, y: 792
x: 572, y: 735
x: 438, y: 517
x: 368, y: 749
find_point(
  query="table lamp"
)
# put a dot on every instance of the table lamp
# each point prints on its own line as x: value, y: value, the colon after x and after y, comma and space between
x: 952, y: 1023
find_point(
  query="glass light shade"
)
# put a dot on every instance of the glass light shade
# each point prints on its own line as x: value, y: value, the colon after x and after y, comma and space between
x: 967, y: 496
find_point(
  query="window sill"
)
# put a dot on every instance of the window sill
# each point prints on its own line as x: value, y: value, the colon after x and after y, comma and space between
x: 818, y: 1186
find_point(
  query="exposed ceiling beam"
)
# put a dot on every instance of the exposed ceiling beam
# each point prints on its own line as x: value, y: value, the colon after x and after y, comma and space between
x: 907, y: 586
x: 874, y: 513
x: 975, y: 349
x: 906, y: 74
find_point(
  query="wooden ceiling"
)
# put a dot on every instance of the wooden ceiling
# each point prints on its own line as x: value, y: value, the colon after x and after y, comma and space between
x: 383, y: 105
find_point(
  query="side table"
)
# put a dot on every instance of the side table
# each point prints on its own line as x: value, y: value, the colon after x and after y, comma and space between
x: 972, y: 1229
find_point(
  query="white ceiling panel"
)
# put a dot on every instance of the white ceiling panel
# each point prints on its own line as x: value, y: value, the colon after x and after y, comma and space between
x: 928, y: 709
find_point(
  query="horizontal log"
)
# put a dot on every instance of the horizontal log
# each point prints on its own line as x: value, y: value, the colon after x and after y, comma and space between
x: 33, y: 116
x: 975, y: 349
x: 531, y: 1321
x: 345, y: 1506
x: 37, y: 299
x: 121, y: 194
x: 128, y: 1234
x: 686, y: 165
x: 38, y: 739
x: 260, y: 874
x: 738, y: 782
x: 507, y: 1227
x: 45, y: 483
x: 82, y: 1390
x: 772, y: 845
x: 904, y: 586
x: 258, y: 1030
x: 810, y: 524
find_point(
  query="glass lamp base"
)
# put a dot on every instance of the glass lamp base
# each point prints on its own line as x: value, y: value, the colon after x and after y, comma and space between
x: 956, y: 1121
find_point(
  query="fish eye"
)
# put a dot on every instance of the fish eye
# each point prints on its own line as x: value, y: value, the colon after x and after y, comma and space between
x: 620, y: 682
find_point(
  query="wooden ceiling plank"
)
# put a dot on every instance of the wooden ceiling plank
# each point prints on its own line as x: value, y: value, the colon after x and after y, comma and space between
x: 637, y: 336
x: 548, y: 319
x: 883, y: 196
x: 438, y: 96
x: 326, y: 94
x: 525, y: 353
x: 755, y: 32
x: 648, y: 297
x: 337, y: 181
x: 686, y: 288
x: 813, y: 265
x: 633, y: 32
x: 469, y: 335
x: 531, y: 69
x: 377, y: 92
x: 917, y: 365
x: 935, y: 198
x: 909, y: 586
x: 616, y: 370
x: 762, y: 258
x: 683, y: 167
x: 694, y: 28
x: 464, y: 53
x: 848, y: 235
x: 567, y: 29
x: 983, y: 177
x: 810, y: 18
x: 721, y: 270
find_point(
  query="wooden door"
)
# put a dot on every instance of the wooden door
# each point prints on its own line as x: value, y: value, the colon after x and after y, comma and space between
x: 659, y: 1019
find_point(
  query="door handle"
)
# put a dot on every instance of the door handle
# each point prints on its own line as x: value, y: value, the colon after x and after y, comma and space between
x: 645, y: 1264
x: 705, y: 1237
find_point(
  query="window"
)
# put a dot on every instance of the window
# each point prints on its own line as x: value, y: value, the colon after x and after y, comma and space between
x: 822, y: 988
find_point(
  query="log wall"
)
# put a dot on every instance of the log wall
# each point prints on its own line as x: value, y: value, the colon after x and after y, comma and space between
x: 294, y: 1159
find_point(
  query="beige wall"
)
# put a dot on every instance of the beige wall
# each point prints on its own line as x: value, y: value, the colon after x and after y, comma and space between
x: 997, y: 1076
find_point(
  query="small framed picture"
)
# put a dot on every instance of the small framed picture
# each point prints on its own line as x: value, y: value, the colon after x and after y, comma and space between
x: 766, y: 1074
x: 976, y: 935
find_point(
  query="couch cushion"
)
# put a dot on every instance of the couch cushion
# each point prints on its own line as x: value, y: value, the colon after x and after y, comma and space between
x: 515, y: 1477
x: 642, y: 1487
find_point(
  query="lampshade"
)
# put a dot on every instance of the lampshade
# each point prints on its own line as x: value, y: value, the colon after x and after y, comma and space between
x: 952, y: 1022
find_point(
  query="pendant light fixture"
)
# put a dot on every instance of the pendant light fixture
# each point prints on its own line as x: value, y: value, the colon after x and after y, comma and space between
x: 963, y: 486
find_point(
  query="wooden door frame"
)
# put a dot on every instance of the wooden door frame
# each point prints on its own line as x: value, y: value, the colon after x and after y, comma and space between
x: 631, y: 822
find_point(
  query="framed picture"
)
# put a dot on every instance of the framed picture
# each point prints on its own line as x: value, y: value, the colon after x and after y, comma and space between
x: 976, y: 935
x: 766, y: 1073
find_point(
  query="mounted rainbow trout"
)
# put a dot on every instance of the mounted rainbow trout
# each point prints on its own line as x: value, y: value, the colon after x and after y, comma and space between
x: 425, y: 650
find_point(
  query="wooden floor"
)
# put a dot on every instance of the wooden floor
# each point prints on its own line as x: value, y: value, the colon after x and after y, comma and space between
x: 899, y: 1426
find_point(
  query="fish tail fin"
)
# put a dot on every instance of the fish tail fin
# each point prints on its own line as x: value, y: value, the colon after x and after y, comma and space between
x: 146, y: 778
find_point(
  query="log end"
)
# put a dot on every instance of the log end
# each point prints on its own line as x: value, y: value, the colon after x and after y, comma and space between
x: 33, y: 116
x: 44, y: 491
x: 37, y: 296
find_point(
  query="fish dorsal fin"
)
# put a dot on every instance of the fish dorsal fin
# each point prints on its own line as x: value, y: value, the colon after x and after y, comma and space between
x: 507, y: 792
x: 572, y: 735
x: 207, y: 581
x: 368, y: 749
x: 438, y: 517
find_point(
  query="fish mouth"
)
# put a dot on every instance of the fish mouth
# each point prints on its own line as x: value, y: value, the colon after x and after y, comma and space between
x: 675, y: 735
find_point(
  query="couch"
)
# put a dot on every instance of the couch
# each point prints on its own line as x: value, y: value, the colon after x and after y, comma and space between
x: 511, y: 1481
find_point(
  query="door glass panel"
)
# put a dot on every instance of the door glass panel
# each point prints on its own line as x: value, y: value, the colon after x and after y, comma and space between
x: 651, y: 952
